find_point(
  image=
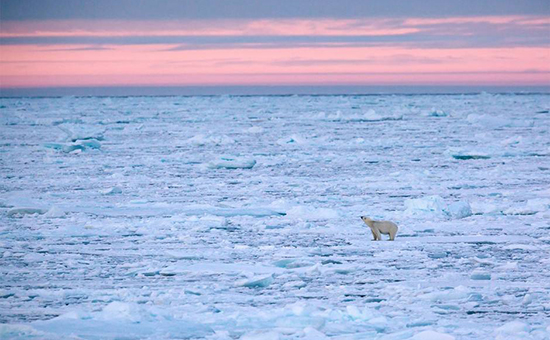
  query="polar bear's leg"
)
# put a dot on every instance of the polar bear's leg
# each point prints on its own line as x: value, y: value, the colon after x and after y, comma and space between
x: 393, y: 231
x: 374, y: 235
x: 377, y: 236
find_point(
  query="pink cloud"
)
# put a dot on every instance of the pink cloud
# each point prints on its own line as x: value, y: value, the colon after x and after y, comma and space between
x: 273, y: 27
x: 248, y: 27
x: 405, y: 61
x: 28, y: 65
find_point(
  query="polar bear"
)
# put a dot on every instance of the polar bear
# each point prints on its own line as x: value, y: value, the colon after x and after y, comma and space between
x: 380, y: 227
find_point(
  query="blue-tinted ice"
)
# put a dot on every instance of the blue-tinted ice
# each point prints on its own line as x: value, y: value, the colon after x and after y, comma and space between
x: 238, y: 217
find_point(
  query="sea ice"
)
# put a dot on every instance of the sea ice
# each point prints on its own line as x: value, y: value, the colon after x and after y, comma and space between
x: 202, y: 140
x: 436, y: 113
x: 268, y: 241
x: 255, y: 129
x: 55, y: 212
x: 459, y: 209
x: 15, y: 331
x: 461, y: 154
x: 311, y: 333
x: 261, y: 335
x: 292, y: 140
x: 112, y: 191
x: 498, y: 121
x: 432, y: 335
x: 90, y: 143
x: 480, y: 275
x: 531, y: 207
x: 435, y: 206
x: 25, y: 211
x: 426, y: 205
x: 368, y: 116
x: 458, y: 293
x: 256, y: 282
x: 311, y: 213
x: 135, y: 321
x: 232, y: 163
x: 76, y: 132
x: 513, y: 329
x: 78, y: 145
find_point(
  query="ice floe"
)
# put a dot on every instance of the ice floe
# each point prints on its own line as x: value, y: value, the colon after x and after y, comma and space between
x: 25, y: 211
x: 435, y: 206
x: 480, y: 275
x: 79, y: 145
x: 229, y: 162
x: 292, y: 140
x: 497, y: 121
x: 368, y: 116
x: 202, y: 140
x: 462, y: 154
x: 256, y: 282
x: 76, y: 132
x: 267, y: 242
x: 432, y: 335
x: 112, y: 191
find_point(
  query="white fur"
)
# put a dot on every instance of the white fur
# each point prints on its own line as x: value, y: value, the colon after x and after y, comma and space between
x: 381, y: 227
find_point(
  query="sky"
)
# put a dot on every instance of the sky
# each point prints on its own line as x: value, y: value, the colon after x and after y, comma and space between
x: 105, y: 43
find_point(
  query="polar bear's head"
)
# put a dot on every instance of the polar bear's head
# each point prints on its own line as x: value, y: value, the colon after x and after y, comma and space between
x: 367, y: 221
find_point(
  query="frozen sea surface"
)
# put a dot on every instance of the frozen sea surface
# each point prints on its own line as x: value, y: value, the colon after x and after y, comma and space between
x: 238, y: 217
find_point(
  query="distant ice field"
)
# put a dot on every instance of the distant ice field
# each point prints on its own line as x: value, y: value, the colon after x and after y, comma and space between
x: 235, y: 217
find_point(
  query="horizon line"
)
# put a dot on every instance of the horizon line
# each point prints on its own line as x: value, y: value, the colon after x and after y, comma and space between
x: 265, y: 90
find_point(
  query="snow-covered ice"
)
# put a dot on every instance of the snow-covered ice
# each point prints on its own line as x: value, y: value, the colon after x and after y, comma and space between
x: 230, y: 162
x: 230, y: 217
x: 435, y: 207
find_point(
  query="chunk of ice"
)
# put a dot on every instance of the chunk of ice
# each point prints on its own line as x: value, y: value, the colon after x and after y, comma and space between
x: 470, y: 155
x: 520, y: 247
x: 293, y: 263
x: 255, y: 129
x: 73, y: 147
x: 232, y: 163
x: 436, y: 206
x: 432, y: 335
x: 261, y: 335
x: 90, y: 143
x: 531, y: 207
x: 437, y: 113
x: 480, y: 275
x: 513, y: 328
x: 120, y: 310
x: 82, y: 132
x: 25, y: 211
x: 467, y: 154
x: 458, y: 293
x: 15, y: 331
x: 311, y: 333
x: 78, y: 145
x: 202, y: 140
x: 112, y: 191
x: 292, y: 140
x: 497, y: 121
x: 429, y: 205
x: 369, y: 116
x: 55, y: 212
x: 459, y: 209
x: 256, y: 282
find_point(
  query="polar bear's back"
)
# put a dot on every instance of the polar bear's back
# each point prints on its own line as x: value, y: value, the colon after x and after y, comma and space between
x: 386, y: 227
